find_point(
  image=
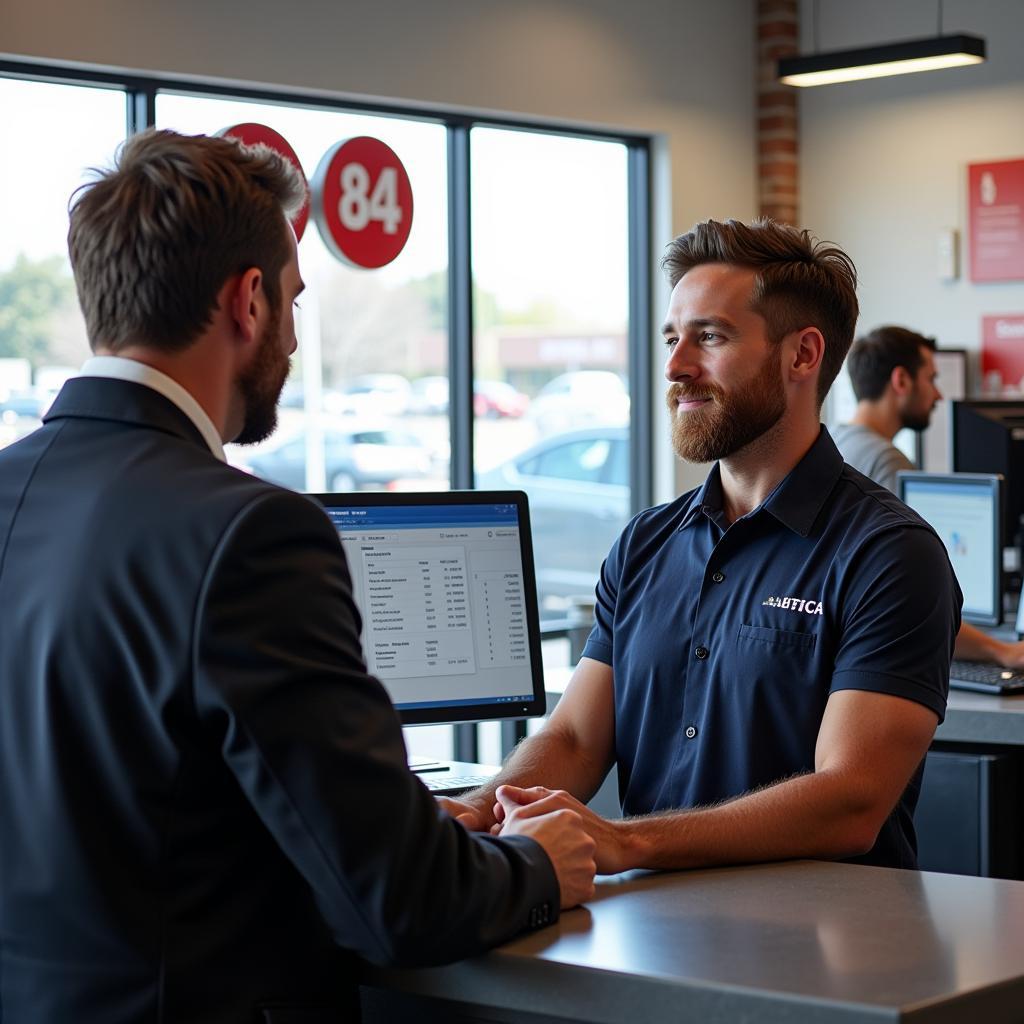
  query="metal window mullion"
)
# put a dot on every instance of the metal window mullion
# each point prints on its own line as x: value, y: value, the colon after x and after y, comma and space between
x: 460, y: 347
x: 141, y: 106
x: 460, y: 308
x: 641, y: 436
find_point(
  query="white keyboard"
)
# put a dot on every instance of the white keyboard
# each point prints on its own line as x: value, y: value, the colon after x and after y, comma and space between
x: 454, y: 783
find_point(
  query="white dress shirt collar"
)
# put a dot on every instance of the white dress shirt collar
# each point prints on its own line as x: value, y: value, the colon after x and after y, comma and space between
x: 123, y: 368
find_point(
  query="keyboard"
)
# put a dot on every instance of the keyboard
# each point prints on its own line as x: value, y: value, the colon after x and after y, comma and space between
x: 984, y: 677
x: 454, y: 783
x: 449, y: 778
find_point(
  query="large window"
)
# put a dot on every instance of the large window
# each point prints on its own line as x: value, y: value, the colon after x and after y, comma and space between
x: 362, y: 409
x: 54, y: 134
x: 502, y: 348
x: 551, y: 276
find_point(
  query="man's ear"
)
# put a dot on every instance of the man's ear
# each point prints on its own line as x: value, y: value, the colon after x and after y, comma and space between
x: 807, y: 354
x: 246, y: 298
x: 900, y: 380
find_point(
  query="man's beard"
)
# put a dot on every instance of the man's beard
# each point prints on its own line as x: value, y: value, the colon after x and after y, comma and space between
x: 730, y: 421
x: 261, y: 384
x: 914, y: 420
x: 917, y: 422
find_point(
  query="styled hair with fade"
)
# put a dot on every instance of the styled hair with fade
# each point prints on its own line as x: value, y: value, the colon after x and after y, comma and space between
x: 874, y: 356
x: 799, y: 281
x: 153, y: 240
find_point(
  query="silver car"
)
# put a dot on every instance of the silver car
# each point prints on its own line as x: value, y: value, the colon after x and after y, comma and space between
x: 578, y: 484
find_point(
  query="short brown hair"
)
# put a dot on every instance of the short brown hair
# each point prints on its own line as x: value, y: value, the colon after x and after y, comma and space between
x: 153, y: 240
x: 800, y: 282
x: 874, y: 357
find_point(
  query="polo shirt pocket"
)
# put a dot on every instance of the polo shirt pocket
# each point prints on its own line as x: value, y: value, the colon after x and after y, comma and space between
x: 778, y: 638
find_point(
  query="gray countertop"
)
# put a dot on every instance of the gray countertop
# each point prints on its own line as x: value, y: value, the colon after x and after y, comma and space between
x: 983, y: 718
x: 801, y: 941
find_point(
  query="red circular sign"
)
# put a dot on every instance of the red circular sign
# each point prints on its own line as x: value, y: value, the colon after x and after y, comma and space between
x: 251, y: 134
x: 362, y: 202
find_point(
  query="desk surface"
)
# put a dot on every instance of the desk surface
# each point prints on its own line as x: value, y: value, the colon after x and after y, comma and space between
x: 983, y: 718
x: 809, y: 941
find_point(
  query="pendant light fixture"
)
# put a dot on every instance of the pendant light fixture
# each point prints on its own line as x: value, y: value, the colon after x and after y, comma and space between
x: 902, y: 58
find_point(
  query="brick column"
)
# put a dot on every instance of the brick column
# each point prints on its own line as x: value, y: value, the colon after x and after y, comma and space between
x: 778, y: 129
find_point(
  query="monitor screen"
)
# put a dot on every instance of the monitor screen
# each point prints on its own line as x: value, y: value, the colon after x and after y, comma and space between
x: 964, y: 510
x: 445, y: 585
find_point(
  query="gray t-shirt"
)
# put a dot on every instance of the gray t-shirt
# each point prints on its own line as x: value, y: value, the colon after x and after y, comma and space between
x: 870, y: 453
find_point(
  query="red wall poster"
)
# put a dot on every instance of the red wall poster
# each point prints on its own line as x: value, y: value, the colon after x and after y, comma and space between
x: 995, y: 206
x: 1002, y: 351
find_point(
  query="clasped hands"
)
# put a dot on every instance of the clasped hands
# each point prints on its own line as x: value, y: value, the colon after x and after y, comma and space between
x: 517, y: 804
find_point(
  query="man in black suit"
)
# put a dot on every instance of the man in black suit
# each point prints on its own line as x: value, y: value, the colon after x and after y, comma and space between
x: 205, y: 809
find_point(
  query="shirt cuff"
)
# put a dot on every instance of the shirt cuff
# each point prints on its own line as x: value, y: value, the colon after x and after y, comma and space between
x: 894, y: 686
x: 599, y: 650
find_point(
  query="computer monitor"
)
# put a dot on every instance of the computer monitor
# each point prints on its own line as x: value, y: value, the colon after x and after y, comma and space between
x: 964, y: 509
x: 445, y: 585
x: 988, y: 437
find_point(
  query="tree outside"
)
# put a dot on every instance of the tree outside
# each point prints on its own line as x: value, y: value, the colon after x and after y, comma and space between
x: 39, y: 316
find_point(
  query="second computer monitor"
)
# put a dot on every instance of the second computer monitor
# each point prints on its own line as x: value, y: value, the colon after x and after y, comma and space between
x: 988, y: 437
x: 964, y: 509
x: 445, y: 585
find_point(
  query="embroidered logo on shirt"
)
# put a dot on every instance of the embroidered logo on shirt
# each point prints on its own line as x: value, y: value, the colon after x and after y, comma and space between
x: 794, y: 604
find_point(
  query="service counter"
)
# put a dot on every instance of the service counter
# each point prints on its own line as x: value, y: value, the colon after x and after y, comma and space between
x: 983, y: 718
x: 803, y: 941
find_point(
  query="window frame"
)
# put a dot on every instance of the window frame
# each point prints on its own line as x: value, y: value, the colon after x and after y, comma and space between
x: 141, y: 91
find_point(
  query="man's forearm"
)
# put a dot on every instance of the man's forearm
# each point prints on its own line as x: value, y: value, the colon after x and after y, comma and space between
x: 551, y: 758
x: 821, y: 814
x: 973, y: 644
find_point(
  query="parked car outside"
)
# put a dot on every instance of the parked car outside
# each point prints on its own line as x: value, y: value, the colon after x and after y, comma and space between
x: 580, y: 398
x: 21, y: 412
x: 492, y: 399
x: 428, y: 396
x: 578, y: 484
x: 372, y: 394
x: 28, y: 405
x: 356, y: 457
x: 495, y: 399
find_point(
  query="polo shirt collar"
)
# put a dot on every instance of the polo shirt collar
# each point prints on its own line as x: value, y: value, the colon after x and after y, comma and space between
x: 795, y: 502
x: 708, y: 499
x: 803, y: 492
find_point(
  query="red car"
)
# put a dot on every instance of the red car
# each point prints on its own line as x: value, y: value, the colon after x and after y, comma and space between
x: 494, y: 398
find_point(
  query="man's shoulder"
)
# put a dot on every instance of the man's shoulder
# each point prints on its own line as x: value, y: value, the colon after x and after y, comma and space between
x: 231, y: 494
x: 668, y: 515
x: 864, y: 508
x: 161, y: 482
x: 871, y: 453
x: 648, y: 530
x: 855, y: 441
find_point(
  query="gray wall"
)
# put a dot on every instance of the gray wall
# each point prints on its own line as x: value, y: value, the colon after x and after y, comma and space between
x: 884, y: 163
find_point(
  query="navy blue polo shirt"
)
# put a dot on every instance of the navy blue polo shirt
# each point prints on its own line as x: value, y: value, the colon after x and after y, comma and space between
x: 726, y: 640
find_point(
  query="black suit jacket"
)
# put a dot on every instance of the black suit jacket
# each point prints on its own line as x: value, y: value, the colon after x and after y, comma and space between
x: 205, y: 810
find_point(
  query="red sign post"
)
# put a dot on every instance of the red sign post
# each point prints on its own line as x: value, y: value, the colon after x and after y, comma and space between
x: 995, y: 204
x: 362, y: 202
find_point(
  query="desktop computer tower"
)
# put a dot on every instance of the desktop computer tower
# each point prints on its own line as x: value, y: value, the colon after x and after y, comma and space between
x: 969, y: 819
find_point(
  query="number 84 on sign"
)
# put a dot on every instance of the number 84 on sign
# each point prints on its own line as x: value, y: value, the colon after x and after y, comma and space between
x: 362, y: 202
